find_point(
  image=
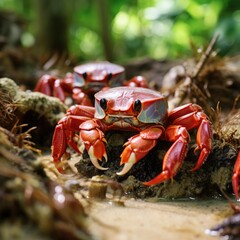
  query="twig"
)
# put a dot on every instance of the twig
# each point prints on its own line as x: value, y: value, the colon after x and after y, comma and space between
x: 205, y: 56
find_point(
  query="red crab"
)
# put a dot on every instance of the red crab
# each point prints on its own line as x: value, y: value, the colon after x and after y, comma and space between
x: 87, y: 79
x: 236, y: 176
x: 143, y: 111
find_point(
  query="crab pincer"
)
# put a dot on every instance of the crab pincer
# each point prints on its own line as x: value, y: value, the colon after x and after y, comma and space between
x: 94, y: 142
x: 138, y: 146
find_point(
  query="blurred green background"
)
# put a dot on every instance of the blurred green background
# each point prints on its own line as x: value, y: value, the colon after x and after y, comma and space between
x: 124, y: 30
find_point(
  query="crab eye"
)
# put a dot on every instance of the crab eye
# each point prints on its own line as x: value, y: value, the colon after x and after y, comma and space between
x: 109, y: 76
x: 137, y: 105
x: 103, y: 103
x: 84, y: 75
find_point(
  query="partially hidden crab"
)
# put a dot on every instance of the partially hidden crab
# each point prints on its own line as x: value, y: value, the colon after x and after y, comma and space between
x: 86, y: 80
x: 230, y: 132
x: 142, y: 111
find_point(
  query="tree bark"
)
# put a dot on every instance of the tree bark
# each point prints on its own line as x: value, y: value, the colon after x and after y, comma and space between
x: 105, y: 28
x: 52, y: 26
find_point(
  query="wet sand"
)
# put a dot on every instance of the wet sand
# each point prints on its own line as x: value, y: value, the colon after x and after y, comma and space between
x: 158, y: 219
x: 162, y: 220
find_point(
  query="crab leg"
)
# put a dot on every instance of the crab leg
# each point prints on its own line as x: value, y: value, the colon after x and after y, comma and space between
x: 63, y: 136
x: 174, y: 157
x: 235, y: 177
x: 204, y: 142
x: 45, y: 84
x: 137, y: 81
x: 138, y: 146
x: 58, y: 91
x: 59, y: 145
x: 80, y: 97
x: 66, y: 129
x: 182, y: 111
x: 93, y: 140
x: 191, y: 116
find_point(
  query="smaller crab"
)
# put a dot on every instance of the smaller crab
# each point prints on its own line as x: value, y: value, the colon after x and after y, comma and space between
x: 86, y: 80
x: 145, y: 113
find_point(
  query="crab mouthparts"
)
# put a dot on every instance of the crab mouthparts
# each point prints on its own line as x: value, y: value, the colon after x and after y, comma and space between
x: 95, y: 86
x: 122, y: 121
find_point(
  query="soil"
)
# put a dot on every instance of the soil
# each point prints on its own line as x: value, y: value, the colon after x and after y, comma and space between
x: 209, y: 181
x: 162, y: 220
x: 117, y: 214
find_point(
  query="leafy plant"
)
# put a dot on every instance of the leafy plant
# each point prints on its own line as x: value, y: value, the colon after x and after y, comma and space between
x: 123, y: 30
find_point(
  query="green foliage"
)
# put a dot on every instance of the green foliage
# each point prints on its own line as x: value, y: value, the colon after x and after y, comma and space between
x: 139, y: 28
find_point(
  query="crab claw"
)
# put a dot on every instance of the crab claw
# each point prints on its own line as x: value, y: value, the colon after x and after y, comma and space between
x: 93, y: 139
x: 94, y: 159
x: 236, y: 176
x: 138, y: 146
x: 127, y: 166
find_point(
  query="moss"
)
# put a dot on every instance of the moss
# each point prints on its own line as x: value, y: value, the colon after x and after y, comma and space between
x: 221, y: 177
x: 31, y: 108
